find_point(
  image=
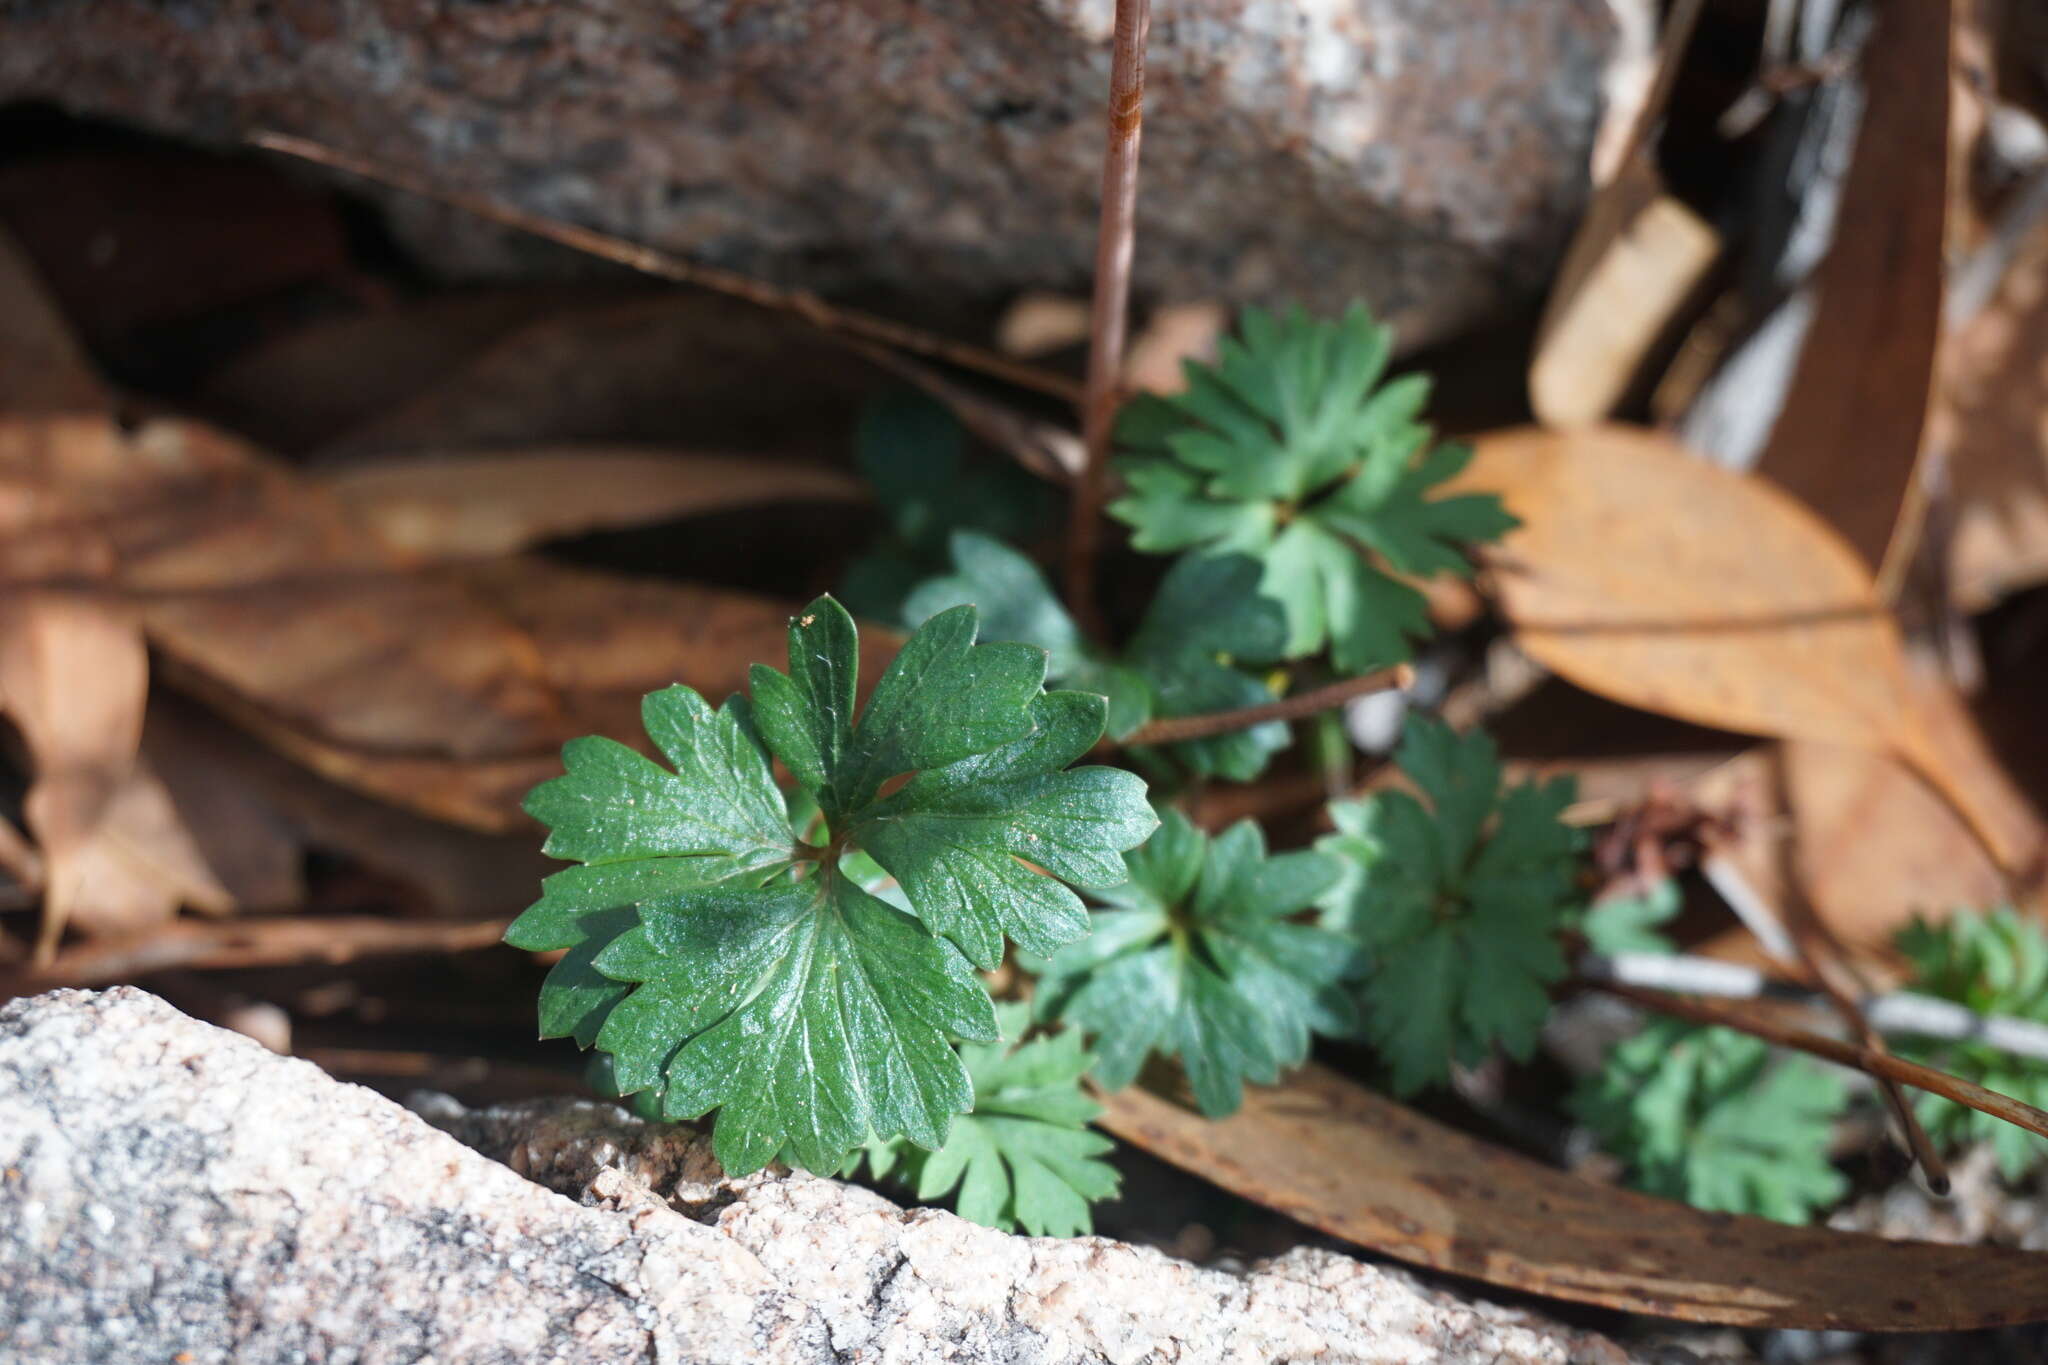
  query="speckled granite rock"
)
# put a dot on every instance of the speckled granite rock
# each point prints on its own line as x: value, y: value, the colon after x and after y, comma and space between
x: 170, y: 1191
x: 1427, y: 154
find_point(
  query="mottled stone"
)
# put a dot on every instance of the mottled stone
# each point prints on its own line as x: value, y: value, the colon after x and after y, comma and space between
x: 172, y: 1191
x: 1429, y: 155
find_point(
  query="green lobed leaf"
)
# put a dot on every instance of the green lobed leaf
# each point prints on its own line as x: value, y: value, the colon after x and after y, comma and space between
x: 1198, y: 956
x: 1458, y: 904
x: 912, y: 451
x: 723, y: 945
x: 1705, y: 1115
x: 958, y: 838
x: 1206, y: 618
x: 809, y: 1014
x: 1628, y: 924
x: 1291, y: 450
x: 1025, y: 1156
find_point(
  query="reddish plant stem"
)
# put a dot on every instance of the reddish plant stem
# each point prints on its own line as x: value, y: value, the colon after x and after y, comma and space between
x: 1827, y: 962
x: 1880, y: 1065
x: 1108, y: 319
x: 1174, y: 729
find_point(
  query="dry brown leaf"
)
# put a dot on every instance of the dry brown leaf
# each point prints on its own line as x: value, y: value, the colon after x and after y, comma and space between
x: 1598, y: 339
x: 1662, y: 581
x: 1848, y: 440
x: 1038, y: 323
x: 443, y: 691
x: 255, y: 813
x: 253, y: 941
x: 140, y: 865
x: 483, y: 504
x: 1649, y: 576
x: 336, y: 374
x: 676, y: 370
x: 1636, y: 257
x: 255, y: 854
x: 390, y: 663
x: 74, y: 678
x: 1173, y: 335
x: 1995, y: 405
x: 247, y: 576
x: 601, y: 640
x: 1361, y: 1167
x: 1872, y: 846
x: 43, y: 368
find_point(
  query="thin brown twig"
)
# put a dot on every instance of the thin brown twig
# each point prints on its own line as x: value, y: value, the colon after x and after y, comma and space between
x: 1872, y: 1062
x: 251, y: 941
x: 1174, y: 729
x: 1109, y: 314
x: 1798, y: 939
x: 1827, y: 963
x: 649, y: 261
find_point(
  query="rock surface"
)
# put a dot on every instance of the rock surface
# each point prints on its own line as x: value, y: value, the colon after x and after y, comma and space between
x: 1429, y: 155
x: 170, y: 1191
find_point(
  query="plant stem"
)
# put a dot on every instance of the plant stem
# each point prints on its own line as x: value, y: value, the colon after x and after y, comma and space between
x: 1899, y: 1014
x: 1805, y: 942
x: 1174, y: 729
x: 1872, y: 1062
x: 1108, y: 317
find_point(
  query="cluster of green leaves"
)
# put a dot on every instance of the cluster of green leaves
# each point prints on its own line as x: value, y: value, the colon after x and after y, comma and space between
x: 1206, y: 622
x: 1025, y: 1156
x: 1996, y: 963
x: 913, y: 453
x: 1291, y: 451
x: 1706, y: 1115
x: 1458, y: 903
x: 729, y: 962
x: 1199, y: 956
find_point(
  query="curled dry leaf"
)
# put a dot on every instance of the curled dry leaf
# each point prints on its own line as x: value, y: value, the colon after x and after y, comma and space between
x: 444, y: 690
x: 1848, y: 440
x: 1659, y: 580
x: 115, y: 854
x: 74, y: 678
x: 481, y: 504
x: 601, y: 641
x: 1361, y: 1167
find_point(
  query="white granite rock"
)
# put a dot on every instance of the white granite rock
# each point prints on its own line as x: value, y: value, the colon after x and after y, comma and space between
x: 170, y: 1191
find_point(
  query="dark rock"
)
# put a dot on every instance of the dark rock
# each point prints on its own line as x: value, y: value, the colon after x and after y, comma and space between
x: 1429, y: 155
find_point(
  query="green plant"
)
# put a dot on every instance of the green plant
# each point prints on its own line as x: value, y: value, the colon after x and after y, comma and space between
x: 1706, y: 1115
x: 1459, y: 904
x: 913, y: 453
x: 723, y: 958
x: 1206, y: 619
x: 803, y: 962
x: 1025, y: 1156
x: 1629, y: 924
x: 1996, y: 963
x: 1290, y: 450
x: 1200, y: 957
